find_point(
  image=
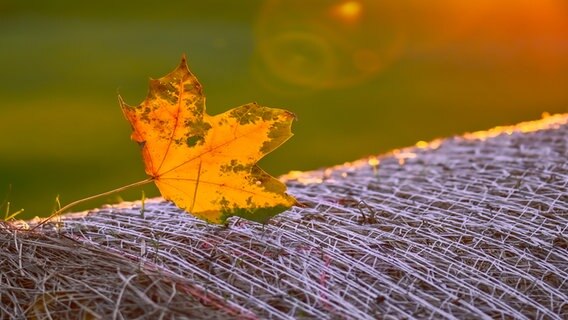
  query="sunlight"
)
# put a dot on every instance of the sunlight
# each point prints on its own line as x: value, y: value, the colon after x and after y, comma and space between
x: 547, y: 122
x: 348, y: 11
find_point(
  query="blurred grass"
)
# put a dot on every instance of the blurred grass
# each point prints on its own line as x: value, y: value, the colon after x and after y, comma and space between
x: 361, y: 82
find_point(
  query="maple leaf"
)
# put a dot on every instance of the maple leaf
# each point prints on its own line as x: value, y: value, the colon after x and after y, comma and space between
x: 206, y: 164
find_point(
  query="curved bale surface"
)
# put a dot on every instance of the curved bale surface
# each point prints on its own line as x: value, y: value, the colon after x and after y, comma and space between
x: 474, y: 226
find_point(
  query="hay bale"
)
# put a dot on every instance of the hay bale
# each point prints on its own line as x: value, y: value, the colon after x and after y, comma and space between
x: 468, y: 227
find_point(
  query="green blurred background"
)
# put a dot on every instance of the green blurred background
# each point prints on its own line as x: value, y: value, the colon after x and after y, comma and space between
x: 363, y: 77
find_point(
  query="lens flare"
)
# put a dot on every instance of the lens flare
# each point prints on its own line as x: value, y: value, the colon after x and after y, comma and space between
x: 323, y: 44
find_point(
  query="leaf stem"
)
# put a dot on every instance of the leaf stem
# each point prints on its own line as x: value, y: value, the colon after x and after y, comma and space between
x: 76, y: 202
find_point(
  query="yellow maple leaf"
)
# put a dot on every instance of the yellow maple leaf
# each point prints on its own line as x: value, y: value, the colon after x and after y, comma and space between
x: 207, y: 164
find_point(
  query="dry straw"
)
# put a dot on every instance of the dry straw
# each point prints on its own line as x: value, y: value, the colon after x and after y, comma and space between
x: 468, y: 227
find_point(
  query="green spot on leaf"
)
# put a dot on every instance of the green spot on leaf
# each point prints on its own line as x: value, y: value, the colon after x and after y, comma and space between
x: 193, y: 141
x: 261, y: 215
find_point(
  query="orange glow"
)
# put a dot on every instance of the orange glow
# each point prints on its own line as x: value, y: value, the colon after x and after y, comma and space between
x: 314, y: 177
x: 348, y: 11
x: 302, y: 177
x: 421, y: 144
x: 373, y: 161
x: 404, y: 154
x: 521, y: 31
x: 434, y: 144
x: 547, y: 122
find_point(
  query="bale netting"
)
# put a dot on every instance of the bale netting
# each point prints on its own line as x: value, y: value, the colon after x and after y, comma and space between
x: 474, y: 226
